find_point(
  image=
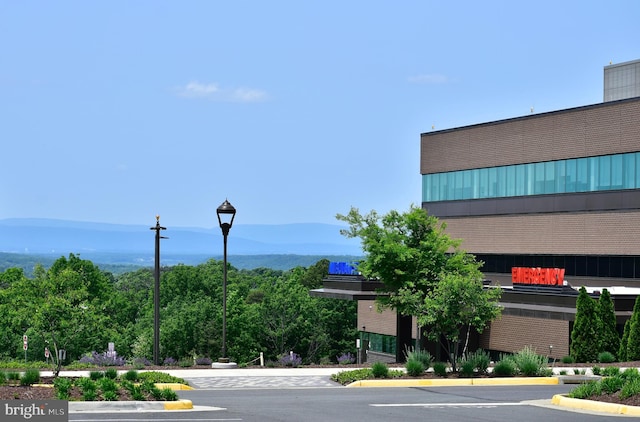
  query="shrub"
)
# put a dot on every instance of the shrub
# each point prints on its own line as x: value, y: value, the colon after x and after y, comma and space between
x: 586, y: 390
x: 440, y: 369
x: 480, y: 361
x: 610, y: 371
x: 136, y: 393
x: 62, y: 386
x: 529, y: 363
x: 606, y: 357
x: 169, y: 395
x: 111, y: 373
x: 467, y: 368
x: 30, y: 377
x: 203, y: 361
x: 96, y: 375
x: 346, y: 359
x: 630, y: 388
x: 414, y: 367
x: 169, y: 361
x: 290, y: 359
x: 380, y: 370
x: 110, y: 396
x: 611, y: 385
x: 140, y: 363
x: 420, y: 355
x: 563, y: 372
x: 131, y: 375
x: 186, y: 363
x: 3, y: 378
x: 347, y: 377
x: 505, y: 367
x: 567, y: 359
x: 155, y: 377
x: 107, y: 384
x: 630, y: 373
x: 102, y: 359
x: 596, y: 370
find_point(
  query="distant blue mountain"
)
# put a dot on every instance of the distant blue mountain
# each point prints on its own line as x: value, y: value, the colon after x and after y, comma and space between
x: 60, y: 237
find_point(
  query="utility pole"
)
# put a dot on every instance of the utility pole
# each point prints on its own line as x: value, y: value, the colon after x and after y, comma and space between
x: 156, y: 294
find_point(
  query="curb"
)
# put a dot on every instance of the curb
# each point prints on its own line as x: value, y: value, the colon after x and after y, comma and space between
x: 453, y: 382
x: 175, y: 386
x: 595, y: 406
x: 124, y: 406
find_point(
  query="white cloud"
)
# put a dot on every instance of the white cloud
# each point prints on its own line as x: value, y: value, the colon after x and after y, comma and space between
x: 431, y: 79
x: 213, y: 92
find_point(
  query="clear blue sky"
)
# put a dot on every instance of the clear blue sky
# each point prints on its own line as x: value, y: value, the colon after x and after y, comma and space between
x: 116, y: 111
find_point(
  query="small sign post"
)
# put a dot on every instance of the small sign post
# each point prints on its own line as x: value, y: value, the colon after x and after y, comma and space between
x: 25, y: 346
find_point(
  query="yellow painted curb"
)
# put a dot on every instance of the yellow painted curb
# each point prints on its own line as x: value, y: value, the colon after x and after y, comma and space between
x: 178, y: 405
x: 445, y: 382
x: 516, y: 381
x: 411, y: 383
x: 595, y: 406
x: 173, y: 385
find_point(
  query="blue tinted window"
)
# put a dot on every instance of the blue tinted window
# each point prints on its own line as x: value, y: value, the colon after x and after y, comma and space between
x: 617, y: 171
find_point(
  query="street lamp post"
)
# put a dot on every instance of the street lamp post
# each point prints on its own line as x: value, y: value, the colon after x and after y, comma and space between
x: 227, y: 212
x: 156, y: 294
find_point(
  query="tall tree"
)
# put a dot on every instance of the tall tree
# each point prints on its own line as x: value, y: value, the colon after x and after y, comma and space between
x: 584, y: 336
x: 609, y: 339
x: 412, y: 255
x: 622, y: 351
x: 633, y: 342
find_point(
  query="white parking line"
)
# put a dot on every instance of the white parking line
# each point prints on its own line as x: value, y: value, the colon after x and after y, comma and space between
x: 447, y: 404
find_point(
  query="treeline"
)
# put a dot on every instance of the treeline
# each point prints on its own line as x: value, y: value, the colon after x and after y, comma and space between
x: 76, y: 306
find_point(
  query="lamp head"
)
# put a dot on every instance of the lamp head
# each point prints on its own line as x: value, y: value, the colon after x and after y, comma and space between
x: 226, y: 212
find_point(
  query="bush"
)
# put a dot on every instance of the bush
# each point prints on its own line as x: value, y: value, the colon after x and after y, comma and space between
x: 505, y: 367
x: 290, y: 359
x: 3, y: 378
x: 111, y: 373
x: 169, y: 395
x: 419, y: 355
x: 467, y: 368
x: 102, y: 359
x: 610, y: 371
x: 96, y: 375
x: 440, y: 369
x: 155, y: 377
x: 611, y: 385
x: 630, y: 388
x: 414, y: 367
x: 203, y: 361
x: 346, y: 359
x: 347, y: 377
x: 169, y: 361
x: 479, y: 361
x: 186, y: 363
x: 567, y: 359
x: 62, y: 386
x: 30, y: 377
x: 380, y: 370
x: 586, y: 390
x: 596, y: 370
x: 529, y: 363
x: 131, y: 375
x: 606, y: 357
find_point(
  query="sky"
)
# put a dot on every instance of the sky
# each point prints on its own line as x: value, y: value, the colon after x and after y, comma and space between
x: 295, y: 111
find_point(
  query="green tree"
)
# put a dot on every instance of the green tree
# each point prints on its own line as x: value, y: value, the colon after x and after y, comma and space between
x: 633, y: 342
x: 584, y: 336
x: 412, y: 255
x: 458, y: 302
x: 622, y: 351
x: 609, y: 339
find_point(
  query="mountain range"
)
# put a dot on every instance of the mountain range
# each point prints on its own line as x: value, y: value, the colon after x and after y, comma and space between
x: 135, y: 244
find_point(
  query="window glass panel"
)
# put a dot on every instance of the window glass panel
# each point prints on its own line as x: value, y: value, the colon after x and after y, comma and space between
x: 571, y: 172
x: 492, y: 182
x: 561, y: 176
x: 521, y: 180
x: 451, y: 186
x: 529, y: 179
x: 582, y: 175
x: 539, y: 178
x: 483, y: 182
x: 617, y: 170
x: 549, y: 177
x: 510, y: 179
x: 458, y: 189
x: 501, y: 186
x: 467, y: 187
x: 435, y: 187
x: 426, y: 188
x: 629, y: 164
x: 475, y: 180
x: 603, y: 171
x: 592, y: 166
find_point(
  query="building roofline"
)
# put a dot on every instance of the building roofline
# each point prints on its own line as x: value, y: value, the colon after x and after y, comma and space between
x: 532, y: 116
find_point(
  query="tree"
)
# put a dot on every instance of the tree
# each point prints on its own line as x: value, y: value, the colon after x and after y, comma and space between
x: 584, y: 336
x: 633, y: 342
x: 622, y: 351
x: 412, y: 255
x: 609, y: 339
x: 458, y: 302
